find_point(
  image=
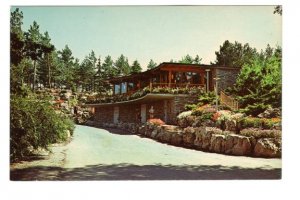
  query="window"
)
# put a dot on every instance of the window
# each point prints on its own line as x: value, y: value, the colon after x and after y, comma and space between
x: 117, y: 89
x: 123, y: 88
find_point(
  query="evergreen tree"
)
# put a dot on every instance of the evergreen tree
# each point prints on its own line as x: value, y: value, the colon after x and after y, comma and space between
x: 136, y: 67
x: 122, y: 66
x: 151, y: 65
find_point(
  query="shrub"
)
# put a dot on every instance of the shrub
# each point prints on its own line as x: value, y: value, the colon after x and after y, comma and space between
x: 254, y: 122
x: 184, y: 114
x: 35, y: 124
x: 255, y: 109
x: 190, y: 106
x: 207, y: 98
x: 198, y: 111
x: 157, y: 122
x: 259, y: 133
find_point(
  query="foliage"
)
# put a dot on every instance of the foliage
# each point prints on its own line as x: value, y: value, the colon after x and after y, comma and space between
x: 254, y: 122
x: 190, y: 60
x: 190, y: 106
x: 157, y: 122
x: 136, y: 67
x: 258, y: 86
x: 121, y: 66
x: 234, y: 54
x: 184, y: 114
x: 207, y: 98
x: 259, y: 133
x: 151, y: 65
x: 35, y: 124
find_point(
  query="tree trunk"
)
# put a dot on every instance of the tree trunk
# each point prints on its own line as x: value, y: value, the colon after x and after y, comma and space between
x: 34, y: 76
x: 49, y: 71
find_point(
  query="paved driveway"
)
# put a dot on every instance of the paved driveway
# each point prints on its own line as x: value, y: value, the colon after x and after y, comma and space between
x: 96, y: 154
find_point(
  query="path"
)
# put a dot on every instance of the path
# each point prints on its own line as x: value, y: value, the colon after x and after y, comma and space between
x: 96, y: 154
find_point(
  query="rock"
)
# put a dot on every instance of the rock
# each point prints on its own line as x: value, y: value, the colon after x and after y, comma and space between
x: 182, y: 123
x: 270, y: 113
x: 176, y: 138
x: 217, y: 143
x: 229, y: 143
x: 166, y: 137
x: 266, y: 147
x: 154, y: 134
x: 242, y: 146
x: 189, y: 136
x: 170, y: 128
x: 199, y: 134
x: 230, y: 125
x: 206, y: 137
x: 142, y: 129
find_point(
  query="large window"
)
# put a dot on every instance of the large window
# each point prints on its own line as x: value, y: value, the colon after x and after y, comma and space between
x: 123, y: 88
x: 117, y: 89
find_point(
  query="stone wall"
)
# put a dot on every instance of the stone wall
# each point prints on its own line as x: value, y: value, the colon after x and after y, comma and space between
x: 104, y: 114
x: 227, y: 78
x: 215, y: 140
x: 166, y: 110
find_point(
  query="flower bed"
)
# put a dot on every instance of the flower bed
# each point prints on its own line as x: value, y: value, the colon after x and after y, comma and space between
x: 143, y: 92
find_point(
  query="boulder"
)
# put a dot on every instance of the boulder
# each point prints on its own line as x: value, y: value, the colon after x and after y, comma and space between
x: 166, y: 137
x: 176, y: 138
x: 199, y: 134
x: 242, y: 146
x: 141, y: 130
x: 153, y: 134
x: 268, y: 147
x: 206, y: 136
x: 229, y: 143
x: 189, y: 136
x: 217, y: 144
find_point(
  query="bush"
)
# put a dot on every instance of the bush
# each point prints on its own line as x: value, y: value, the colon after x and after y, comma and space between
x: 254, y: 122
x: 202, y: 109
x: 189, y: 107
x: 184, y: 114
x: 259, y: 133
x: 207, y: 98
x: 157, y: 122
x: 35, y: 124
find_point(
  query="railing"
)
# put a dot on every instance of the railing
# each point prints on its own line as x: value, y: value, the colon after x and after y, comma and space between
x: 229, y: 101
x: 175, y: 85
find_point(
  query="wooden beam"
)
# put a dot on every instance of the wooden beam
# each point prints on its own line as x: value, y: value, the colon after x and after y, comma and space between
x: 170, y: 78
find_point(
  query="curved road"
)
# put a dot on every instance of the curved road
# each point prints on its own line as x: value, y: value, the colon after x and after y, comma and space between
x: 96, y: 154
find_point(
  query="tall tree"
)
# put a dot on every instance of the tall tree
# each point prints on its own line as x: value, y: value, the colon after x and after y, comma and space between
x: 66, y: 67
x: 34, y: 47
x: 122, y: 66
x: 108, y: 68
x: 136, y: 67
x: 258, y: 85
x: 151, y: 64
x: 187, y: 59
x: 197, y: 60
x: 46, y: 61
x: 16, y: 37
x: 234, y: 54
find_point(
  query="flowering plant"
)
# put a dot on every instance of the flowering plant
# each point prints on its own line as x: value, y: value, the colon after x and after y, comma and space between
x: 157, y: 122
x: 184, y: 114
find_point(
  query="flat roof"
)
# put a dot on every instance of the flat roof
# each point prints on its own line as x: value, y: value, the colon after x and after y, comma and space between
x: 165, y: 66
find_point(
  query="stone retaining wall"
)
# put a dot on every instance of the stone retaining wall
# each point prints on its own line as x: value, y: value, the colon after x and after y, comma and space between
x: 212, y: 139
x: 208, y: 139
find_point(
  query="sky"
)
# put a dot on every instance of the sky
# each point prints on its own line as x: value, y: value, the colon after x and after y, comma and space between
x: 160, y: 33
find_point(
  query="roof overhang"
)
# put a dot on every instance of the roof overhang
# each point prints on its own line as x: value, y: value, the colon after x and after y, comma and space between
x: 145, y: 99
